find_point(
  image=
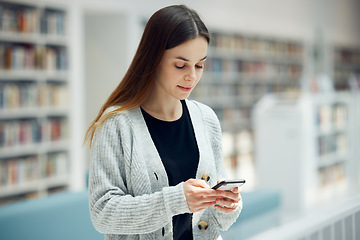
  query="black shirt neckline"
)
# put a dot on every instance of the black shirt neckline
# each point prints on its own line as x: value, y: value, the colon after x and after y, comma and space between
x: 149, y: 116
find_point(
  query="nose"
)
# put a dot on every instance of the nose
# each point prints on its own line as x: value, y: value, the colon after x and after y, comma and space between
x: 191, y: 75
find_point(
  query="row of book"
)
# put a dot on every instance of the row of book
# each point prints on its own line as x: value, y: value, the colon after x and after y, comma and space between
x: 332, y: 144
x: 343, y: 74
x: 24, y: 170
x: 332, y: 117
x: 346, y: 65
x: 257, y: 46
x: 19, y: 171
x: 332, y: 175
x: 56, y: 165
x: 53, y: 22
x: 234, y: 115
x: 238, y: 143
x: 231, y: 115
x: 31, y: 57
x: 57, y: 128
x: 23, y: 19
x: 347, y: 56
x: 244, y: 94
x: 253, y: 68
x: 218, y: 91
x: 15, y: 95
x: 31, y: 131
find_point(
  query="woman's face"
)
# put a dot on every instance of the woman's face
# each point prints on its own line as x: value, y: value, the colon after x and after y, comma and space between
x: 181, y: 68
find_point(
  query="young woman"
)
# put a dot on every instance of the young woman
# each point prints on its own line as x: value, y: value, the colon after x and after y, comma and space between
x: 154, y: 154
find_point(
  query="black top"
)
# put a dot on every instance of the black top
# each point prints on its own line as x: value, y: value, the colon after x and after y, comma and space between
x: 176, y: 144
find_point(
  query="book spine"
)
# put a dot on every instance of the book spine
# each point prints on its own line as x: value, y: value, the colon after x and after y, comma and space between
x: 24, y: 95
x: 332, y: 175
x: 53, y: 23
x: 56, y: 129
x: 19, y: 133
x: 18, y: 171
x: 29, y: 57
x: 18, y: 19
x: 27, y: 132
x: 55, y: 165
x: 27, y: 20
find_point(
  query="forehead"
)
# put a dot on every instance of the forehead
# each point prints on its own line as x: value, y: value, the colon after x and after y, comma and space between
x: 193, y: 50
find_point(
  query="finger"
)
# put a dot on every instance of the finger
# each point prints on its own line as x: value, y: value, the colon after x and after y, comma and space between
x: 225, y: 209
x: 227, y: 203
x: 230, y: 195
x: 220, y: 180
x: 200, y: 206
x: 223, y: 194
x: 199, y: 183
x: 208, y: 193
x: 206, y: 196
x: 237, y: 190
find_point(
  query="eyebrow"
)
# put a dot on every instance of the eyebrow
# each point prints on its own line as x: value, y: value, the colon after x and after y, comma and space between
x: 187, y: 60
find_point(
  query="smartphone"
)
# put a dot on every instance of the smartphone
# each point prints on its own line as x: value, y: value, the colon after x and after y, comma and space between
x: 229, y: 184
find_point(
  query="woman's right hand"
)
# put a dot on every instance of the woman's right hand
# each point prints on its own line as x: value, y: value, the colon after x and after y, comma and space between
x: 199, y: 195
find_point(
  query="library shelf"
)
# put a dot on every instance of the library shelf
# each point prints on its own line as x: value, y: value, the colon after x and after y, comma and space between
x: 32, y: 112
x: 239, y: 70
x: 31, y: 187
x: 32, y: 75
x: 304, y: 145
x: 33, y: 148
x: 36, y: 108
x: 346, y: 62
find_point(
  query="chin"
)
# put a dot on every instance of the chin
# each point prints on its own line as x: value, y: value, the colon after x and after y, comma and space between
x: 183, y: 97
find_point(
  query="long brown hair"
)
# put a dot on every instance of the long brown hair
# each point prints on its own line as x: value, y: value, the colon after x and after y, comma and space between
x: 167, y: 28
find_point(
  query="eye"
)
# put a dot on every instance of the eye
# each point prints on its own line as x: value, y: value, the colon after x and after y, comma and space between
x: 199, y: 66
x: 179, y: 67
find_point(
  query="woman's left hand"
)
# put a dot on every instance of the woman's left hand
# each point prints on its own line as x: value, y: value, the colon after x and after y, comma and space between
x: 230, y: 202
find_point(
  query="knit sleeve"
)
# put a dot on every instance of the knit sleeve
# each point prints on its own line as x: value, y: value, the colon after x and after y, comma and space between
x: 212, y: 125
x: 113, y: 210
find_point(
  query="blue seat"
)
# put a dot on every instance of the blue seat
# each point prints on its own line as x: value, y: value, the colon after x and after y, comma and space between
x: 66, y: 216
x: 57, y: 217
x: 261, y: 211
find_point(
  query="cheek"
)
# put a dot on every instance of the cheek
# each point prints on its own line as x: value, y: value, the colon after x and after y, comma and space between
x: 199, y: 75
x: 167, y: 75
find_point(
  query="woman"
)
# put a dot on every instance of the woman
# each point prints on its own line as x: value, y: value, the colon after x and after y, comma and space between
x: 155, y: 154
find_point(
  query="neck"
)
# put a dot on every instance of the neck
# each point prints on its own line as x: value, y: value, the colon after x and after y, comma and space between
x: 163, y: 110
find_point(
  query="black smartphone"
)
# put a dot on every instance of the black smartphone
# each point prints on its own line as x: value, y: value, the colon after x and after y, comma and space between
x: 229, y: 184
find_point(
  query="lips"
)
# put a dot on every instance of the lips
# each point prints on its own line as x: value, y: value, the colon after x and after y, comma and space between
x: 186, y: 89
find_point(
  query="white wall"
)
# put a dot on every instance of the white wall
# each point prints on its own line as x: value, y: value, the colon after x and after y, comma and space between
x: 106, y: 57
x: 283, y: 18
x: 287, y: 18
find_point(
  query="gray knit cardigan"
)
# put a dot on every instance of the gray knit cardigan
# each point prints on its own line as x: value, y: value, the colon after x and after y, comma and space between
x: 129, y: 193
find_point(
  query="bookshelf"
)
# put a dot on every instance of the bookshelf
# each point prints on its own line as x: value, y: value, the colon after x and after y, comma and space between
x: 304, y: 147
x: 241, y: 68
x: 346, y: 63
x: 35, y: 119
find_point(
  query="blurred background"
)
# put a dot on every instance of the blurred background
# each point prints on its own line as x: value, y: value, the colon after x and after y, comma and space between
x: 283, y: 77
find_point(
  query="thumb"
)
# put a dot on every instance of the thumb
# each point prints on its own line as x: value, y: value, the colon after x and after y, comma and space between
x: 220, y: 180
